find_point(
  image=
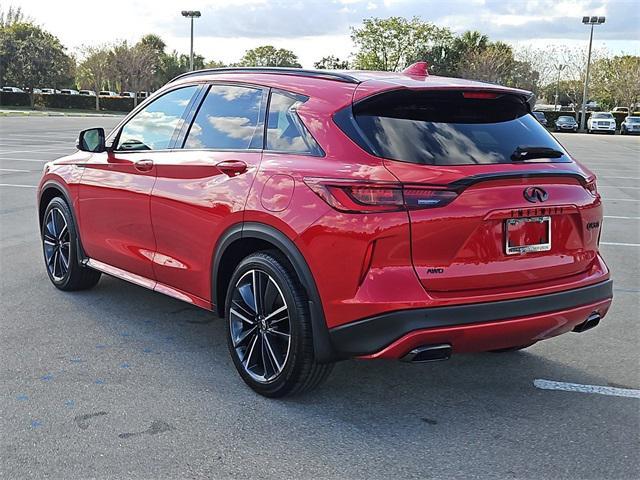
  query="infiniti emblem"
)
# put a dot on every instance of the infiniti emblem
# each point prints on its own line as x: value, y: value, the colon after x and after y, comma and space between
x: 535, y: 194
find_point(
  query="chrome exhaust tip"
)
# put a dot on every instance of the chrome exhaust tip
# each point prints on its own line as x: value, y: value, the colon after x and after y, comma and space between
x: 428, y: 353
x: 592, y: 320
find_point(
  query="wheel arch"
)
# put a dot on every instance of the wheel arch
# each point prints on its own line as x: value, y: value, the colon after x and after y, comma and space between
x: 243, y: 239
x: 47, y: 192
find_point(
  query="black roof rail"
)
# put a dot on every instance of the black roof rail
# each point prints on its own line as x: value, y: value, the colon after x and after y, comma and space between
x: 301, y: 72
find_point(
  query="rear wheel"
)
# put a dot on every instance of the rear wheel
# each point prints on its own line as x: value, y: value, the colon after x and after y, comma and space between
x: 269, y: 328
x: 59, y: 246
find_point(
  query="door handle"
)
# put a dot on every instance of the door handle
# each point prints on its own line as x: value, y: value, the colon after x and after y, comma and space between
x: 144, y: 165
x: 232, y: 167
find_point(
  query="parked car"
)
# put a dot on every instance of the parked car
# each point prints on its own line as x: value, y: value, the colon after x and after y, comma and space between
x: 566, y: 123
x: 68, y: 91
x: 630, y: 125
x: 328, y: 215
x: 49, y: 91
x: 12, y: 89
x: 601, y: 122
x: 107, y: 93
x: 143, y: 94
x: 621, y: 110
x: 541, y: 118
x: 128, y: 94
x: 89, y: 93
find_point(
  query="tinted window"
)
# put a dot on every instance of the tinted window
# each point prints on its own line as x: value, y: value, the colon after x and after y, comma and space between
x: 602, y: 115
x: 285, y: 131
x: 449, y: 128
x: 228, y: 119
x: 566, y: 119
x: 153, y: 127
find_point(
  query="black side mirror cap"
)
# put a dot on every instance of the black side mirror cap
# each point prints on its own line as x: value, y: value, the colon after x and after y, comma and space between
x: 91, y: 140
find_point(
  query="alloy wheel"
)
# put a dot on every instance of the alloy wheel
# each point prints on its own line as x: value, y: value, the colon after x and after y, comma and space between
x: 57, y: 244
x: 260, y: 326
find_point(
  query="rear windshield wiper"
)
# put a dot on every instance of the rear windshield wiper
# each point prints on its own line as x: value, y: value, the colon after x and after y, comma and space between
x: 525, y: 153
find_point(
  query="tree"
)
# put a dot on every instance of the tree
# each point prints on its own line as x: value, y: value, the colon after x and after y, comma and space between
x: 269, y: 56
x: 32, y: 57
x: 331, y: 63
x: 446, y: 58
x: 13, y: 15
x: 94, y: 71
x: 394, y: 43
x: 616, y: 81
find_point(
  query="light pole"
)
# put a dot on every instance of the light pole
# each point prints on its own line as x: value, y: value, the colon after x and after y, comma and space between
x: 588, y: 21
x: 191, y: 14
x: 559, y: 68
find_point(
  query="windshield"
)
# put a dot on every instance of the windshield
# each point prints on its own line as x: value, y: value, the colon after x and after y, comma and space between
x: 633, y: 119
x: 602, y: 115
x: 566, y: 119
x: 451, y: 128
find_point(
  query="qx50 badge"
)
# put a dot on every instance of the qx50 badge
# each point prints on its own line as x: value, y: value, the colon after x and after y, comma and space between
x: 535, y: 194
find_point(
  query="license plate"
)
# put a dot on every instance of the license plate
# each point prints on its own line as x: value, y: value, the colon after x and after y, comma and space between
x: 526, y: 235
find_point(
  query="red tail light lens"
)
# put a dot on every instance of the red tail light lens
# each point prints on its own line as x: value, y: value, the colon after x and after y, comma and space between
x: 360, y: 197
x: 480, y: 95
x: 592, y: 188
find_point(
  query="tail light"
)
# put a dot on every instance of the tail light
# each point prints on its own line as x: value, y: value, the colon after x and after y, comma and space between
x: 365, y: 197
x: 592, y: 188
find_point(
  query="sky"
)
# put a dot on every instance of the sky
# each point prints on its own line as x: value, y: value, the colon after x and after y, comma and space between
x: 317, y: 28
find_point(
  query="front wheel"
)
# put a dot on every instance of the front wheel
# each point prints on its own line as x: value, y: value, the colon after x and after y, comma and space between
x: 269, y: 327
x: 59, y: 246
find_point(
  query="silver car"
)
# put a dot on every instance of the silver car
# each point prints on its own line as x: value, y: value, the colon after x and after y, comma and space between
x: 631, y: 125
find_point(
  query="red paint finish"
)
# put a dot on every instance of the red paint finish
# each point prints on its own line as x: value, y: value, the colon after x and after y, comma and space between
x: 495, y: 335
x: 159, y: 215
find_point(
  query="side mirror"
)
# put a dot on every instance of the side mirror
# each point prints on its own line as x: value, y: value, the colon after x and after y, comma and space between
x: 91, y: 140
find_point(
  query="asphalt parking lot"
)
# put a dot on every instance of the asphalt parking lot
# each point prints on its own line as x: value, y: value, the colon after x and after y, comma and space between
x: 120, y: 382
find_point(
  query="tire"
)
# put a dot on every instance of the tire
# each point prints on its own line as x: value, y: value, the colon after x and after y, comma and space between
x: 59, y: 242
x: 511, y: 349
x: 269, y: 337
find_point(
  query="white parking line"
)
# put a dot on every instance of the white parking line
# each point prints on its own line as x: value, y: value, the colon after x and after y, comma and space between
x: 618, y: 244
x: 616, y: 186
x: 626, y: 178
x: 621, y: 218
x: 17, y: 186
x: 14, y: 170
x: 621, y: 199
x: 577, y: 387
x: 16, y: 159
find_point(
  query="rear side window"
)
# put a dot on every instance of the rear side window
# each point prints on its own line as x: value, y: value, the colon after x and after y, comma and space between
x: 229, y: 119
x: 449, y: 128
x: 285, y: 131
x: 152, y: 128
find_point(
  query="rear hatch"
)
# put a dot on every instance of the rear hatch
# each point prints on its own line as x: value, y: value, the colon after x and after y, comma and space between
x: 494, y: 201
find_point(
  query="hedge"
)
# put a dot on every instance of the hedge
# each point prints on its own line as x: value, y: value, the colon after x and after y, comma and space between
x: 78, y: 102
x: 15, y: 99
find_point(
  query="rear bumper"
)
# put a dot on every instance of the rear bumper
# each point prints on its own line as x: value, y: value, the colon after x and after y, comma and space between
x: 472, y: 327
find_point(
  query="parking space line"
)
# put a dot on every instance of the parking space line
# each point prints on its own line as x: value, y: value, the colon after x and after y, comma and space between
x: 618, y: 217
x: 625, y: 178
x: 619, y: 244
x: 16, y: 159
x: 616, y: 186
x: 621, y: 199
x: 578, y: 387
x: 15, y: 170
x: 17, y: 186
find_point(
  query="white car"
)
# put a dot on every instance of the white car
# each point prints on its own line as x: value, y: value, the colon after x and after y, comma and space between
x: 601, y: 122
x: 107, y: 93
x: 630, y: 125
x: 88, y: 93
x: 49, y: 91
x: 128, y: 94
x: 12, y: 89
x: 68, y: 91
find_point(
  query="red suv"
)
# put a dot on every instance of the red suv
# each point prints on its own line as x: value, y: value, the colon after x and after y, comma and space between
x: 332, y: 215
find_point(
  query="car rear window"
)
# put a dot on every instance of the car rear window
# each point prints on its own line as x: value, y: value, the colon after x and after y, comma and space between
x: 450, y: 127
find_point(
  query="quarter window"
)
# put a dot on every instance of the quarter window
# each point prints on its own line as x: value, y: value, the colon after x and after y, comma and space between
x: 285, y: 131
x: 154, y: 126
x: 229, y: 119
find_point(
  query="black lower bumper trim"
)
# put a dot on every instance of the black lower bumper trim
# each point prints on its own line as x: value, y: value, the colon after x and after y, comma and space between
x: 372, y: 334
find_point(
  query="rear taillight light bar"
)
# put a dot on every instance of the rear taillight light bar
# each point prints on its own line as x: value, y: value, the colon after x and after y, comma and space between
x: 369, y: 197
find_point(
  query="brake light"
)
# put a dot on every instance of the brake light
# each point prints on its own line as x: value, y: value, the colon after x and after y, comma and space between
x: 480, y: 95
x: 363, y: 197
